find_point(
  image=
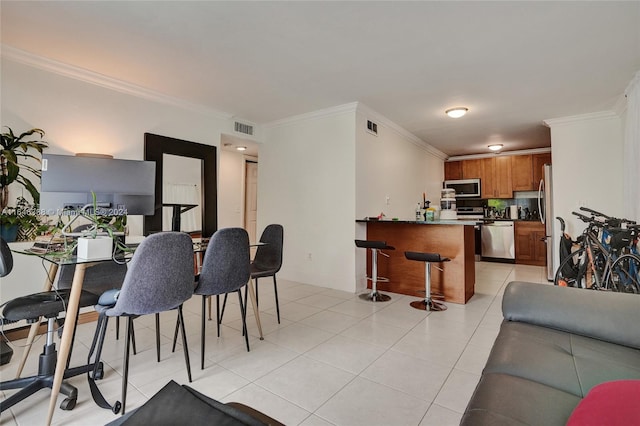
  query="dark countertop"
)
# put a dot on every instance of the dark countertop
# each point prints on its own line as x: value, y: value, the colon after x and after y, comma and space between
x: 469, y: 222
x: 489, y: 219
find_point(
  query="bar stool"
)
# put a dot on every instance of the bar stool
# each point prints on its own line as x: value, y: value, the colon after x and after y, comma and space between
x: 428, y: 304
x: 375, y: 247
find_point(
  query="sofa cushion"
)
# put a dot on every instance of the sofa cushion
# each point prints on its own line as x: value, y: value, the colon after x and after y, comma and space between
x: 608, y: 316
x: 501, y: 399
x: 610, y: 403
x: 558, y: 359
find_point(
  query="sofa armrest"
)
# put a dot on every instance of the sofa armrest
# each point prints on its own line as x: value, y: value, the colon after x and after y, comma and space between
x: 612, y: 317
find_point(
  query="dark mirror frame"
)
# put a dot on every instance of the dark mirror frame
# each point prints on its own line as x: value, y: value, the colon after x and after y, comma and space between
x: 155, y: 146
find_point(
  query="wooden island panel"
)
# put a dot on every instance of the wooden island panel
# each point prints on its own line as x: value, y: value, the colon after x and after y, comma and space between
x: 456, y: 242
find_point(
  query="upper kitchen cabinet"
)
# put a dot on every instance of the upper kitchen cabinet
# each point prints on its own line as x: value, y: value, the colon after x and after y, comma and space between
x: 526, y: 170
x: 522, y: 173
x: 501, y: 175
x: 472, y: 169
x: 496, y: 177
x: 452, y: 170
x: 538, y: 161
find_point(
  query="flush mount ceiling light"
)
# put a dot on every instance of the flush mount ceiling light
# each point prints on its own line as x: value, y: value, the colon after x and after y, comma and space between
x: 241, y: 148
x: 495, y: 147
x: 456, y: 112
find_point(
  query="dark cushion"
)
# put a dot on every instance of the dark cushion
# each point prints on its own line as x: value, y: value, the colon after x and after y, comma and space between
x: 425, y: 257
x: 182, y: 405
x: 373, y: 244
x: 47, y: 304
x: 613, y: 317
x: 558, y: 359
x: 502, y: 399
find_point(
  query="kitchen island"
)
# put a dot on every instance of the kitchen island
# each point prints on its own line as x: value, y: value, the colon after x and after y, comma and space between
x: 454, y: 239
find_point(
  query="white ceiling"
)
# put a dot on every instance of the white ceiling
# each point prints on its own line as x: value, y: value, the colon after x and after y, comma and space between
x: 513, y: 64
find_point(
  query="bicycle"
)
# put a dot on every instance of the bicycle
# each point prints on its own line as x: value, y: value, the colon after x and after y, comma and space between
x: 604, y: 257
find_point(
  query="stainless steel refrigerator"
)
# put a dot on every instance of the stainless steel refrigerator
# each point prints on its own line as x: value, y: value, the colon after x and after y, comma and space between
x: 545, y: 207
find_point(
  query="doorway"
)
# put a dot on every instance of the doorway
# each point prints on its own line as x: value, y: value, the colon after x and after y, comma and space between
x: 251, y: 199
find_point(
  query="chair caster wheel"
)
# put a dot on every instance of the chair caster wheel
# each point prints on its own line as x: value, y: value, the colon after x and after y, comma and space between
x: 68, y: 404
x: 116, y: 407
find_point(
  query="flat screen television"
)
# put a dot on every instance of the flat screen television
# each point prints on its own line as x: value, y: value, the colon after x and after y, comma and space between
x: 121, y: 186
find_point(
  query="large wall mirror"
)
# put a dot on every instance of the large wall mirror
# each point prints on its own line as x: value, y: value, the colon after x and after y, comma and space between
x: 185, y: 185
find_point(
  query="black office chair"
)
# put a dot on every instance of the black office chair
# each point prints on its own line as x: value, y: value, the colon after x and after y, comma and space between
x: 30, y: 308
x: 225, y: 269
x: 159, y: 278
x: 268, y: 259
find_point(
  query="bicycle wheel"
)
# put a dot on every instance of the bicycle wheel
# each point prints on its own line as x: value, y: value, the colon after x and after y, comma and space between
x: 625, y: 274
x: 574, y: 271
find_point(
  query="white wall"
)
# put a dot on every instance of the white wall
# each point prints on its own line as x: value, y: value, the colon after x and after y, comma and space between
x: 587, y: 169
x: 306, y: 182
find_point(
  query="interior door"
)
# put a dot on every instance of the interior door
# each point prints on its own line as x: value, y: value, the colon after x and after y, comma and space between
x: 251, y: 199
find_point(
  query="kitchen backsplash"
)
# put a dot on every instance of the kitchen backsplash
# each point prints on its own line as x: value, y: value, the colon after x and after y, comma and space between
x: 527, y: 203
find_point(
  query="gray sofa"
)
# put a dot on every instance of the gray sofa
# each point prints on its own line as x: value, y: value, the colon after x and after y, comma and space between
x: 554, y: 345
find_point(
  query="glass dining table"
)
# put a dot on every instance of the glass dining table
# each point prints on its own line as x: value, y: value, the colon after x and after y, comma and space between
x: 56, y: 260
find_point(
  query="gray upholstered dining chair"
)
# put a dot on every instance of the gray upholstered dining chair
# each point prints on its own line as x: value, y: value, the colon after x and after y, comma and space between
x: 225, y: 269
x: 268, y: 259
x: 159, y: 278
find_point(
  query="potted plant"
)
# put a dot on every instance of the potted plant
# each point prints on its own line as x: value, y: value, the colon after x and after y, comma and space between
x: 99, y: 239
x: 13, y: 151
x: 21, y: 222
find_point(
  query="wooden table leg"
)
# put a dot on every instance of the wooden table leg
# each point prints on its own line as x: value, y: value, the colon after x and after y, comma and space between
x: 53, y: 270
x: 252, y: 295
x: 67, y: 336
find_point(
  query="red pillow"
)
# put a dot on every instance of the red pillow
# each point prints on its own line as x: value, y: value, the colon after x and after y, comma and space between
x: 611, y: 403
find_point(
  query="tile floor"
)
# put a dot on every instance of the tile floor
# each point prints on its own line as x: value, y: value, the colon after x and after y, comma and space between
x: 333, y: 360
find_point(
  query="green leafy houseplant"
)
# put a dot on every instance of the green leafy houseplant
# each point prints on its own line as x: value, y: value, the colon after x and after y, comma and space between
x: 101, y: 225
x: 21, y: 221
x: 25, y: 220
x: 13, y: 149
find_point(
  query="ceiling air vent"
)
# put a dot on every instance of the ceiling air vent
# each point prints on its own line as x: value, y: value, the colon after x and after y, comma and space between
x: 372, y: 127
x: 244, y: 128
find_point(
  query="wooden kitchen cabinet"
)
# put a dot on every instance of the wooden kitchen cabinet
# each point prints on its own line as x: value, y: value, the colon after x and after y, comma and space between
x: 496, y: 177
x: 501, y: 175
x: 527, y: 172
x: 530, y: 247
x: 453, y: 170
x: 522, y: 173
x: 538, y: 161
x: 472, y: 169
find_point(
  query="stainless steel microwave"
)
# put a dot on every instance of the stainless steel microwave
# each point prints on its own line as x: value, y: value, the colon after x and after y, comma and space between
x: 465, y: 188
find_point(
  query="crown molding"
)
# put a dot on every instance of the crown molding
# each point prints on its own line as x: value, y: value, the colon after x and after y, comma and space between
x: 500, y: 154
x: 381, y: 119
x: 97, y: 79
x: 323, y: 113
x: 620, y: 107
x: 633, y: 84
x: 603, y: 115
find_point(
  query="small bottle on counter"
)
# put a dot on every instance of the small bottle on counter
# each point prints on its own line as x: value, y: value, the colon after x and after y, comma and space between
x: 418, y: 212
x: 430, y: 214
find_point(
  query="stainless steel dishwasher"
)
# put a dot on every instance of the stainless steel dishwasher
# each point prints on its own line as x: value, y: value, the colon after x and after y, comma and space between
x: 498, y: 240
